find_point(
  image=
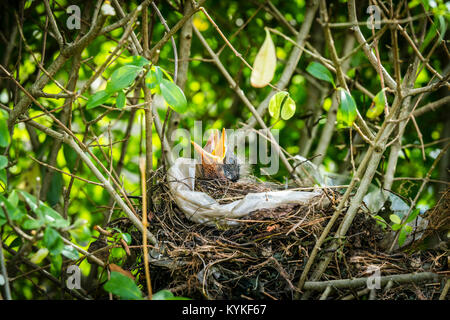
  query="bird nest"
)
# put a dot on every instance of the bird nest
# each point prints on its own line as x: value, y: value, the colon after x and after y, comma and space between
x: 263, y: 254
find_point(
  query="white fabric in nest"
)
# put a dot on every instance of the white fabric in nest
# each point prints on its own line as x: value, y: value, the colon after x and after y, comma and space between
x: 201, y: 208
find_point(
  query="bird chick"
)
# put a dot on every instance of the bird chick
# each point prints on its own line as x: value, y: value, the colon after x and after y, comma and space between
x: 216, y: 161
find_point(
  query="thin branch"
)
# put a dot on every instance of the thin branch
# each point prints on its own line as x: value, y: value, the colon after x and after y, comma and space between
x: 142, y: 168
x: 4, y: 273
x: 58, y: 36
x: 359, y: 282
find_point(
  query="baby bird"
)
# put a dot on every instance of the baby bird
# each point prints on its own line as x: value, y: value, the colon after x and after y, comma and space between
x: 217, y: 163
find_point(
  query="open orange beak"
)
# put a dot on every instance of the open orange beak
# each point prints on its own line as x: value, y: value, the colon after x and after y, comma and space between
x: 215, y: 148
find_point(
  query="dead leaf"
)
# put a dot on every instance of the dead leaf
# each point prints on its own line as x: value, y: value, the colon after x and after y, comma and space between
x: 114, y: 267
x: 265, y: 63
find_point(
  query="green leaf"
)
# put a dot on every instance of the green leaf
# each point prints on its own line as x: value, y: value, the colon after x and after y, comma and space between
x: 154, y: 78
x: 122, y: 78
x: 13, y: 198
x: 97, y: 99
x: 276, y: 102
x: 402, y: 236
x: 17, y: 242
x: 126, y: 237
x: 123, y: 287
x: 396, y: 227
x: 32, y: 224
x: 39, y: 255
x: 439, y: 22
x: 55, y: 190
x: 138, y: 61
x: 347, y: 108
x: 51, y: 217
x: 166, y: 295
x: 319, y: 71
x: 163, y: 295
x: 4, y: 132
x: 407, y: 228
x: 48, y: 215
x: 56, y: 264
x: 377, y: 106
x: 174, y: 96
x: 165, y: 73
x: 30, y: 200
x: 71, y: 157
x: 3, y: 162
x: 413, y: 215
x: 395, y: 219
x: 70, y: 252
x: 3, y: 177
x: 14, y: 212
x: 120, y: 101
x: 159, y: 75
x: 380, y: 221
x: 52, y: 241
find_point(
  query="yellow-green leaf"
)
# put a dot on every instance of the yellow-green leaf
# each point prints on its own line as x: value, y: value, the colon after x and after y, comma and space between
x: 275, y: 103
x: 347, y: 108
x: 377, y: 106
x: 288, y: 109
x: 265, y: 63
x: 395, y: 219
x: 39, y: 255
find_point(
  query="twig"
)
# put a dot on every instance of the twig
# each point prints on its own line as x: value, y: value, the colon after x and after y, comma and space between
x: 58, y: 35
x: 4, y: 273
x: 66, y: 173
x: 145, y: 224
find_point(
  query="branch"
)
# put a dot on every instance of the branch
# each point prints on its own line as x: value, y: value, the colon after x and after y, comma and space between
x: 4, y: 273
x: 432, y: 106
x: 58, y: 36
x: 367, y: 49
x: 359, y: 282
